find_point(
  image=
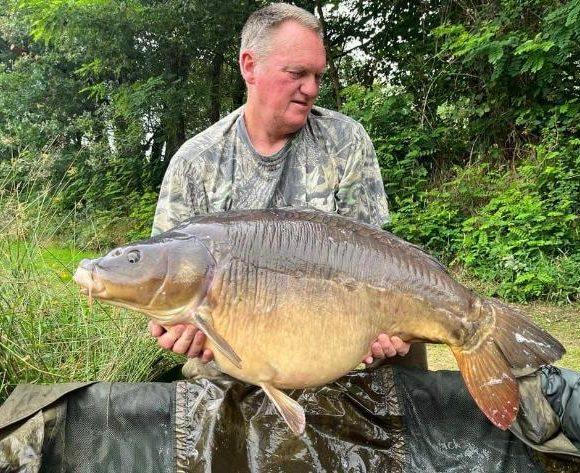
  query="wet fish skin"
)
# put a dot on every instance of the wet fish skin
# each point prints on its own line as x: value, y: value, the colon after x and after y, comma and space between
x: 298, y: 296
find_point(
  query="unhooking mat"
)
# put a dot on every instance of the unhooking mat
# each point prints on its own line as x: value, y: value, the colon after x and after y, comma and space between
x: 391, y: 419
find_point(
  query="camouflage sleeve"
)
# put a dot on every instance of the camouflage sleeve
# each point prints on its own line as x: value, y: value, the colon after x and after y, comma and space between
x: 361, y: 194
x: 181, y: 195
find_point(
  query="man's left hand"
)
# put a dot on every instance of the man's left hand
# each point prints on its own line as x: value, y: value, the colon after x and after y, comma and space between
x: 386, y: 347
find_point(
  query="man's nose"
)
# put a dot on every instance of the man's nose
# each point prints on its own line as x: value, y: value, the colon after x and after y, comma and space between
x: 310, y: 86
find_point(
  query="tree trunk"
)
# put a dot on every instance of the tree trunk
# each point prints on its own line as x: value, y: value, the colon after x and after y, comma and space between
x: 214, y: 91
x: 173, y: 121
x: 332, y: 71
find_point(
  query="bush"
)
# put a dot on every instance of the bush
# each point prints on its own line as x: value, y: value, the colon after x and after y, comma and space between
x: 526, y: 238
x: 434, y: 218
x: 401, y: 145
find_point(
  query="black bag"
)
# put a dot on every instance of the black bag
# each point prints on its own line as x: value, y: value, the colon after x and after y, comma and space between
x: 390, y: 419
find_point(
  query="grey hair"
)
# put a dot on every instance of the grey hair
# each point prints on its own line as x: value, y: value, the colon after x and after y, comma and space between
x: 260, y: 25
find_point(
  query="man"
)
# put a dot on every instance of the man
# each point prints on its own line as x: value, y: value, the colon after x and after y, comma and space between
x: 277, y: 150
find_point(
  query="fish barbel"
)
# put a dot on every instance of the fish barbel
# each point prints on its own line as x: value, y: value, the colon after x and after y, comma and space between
x: 293, y: 299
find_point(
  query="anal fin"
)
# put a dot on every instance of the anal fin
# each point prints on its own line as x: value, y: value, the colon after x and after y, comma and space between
x: 490, y: 382
x: 222, y: 345
x: 289, y: 409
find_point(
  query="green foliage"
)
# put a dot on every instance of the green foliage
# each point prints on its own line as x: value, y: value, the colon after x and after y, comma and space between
x: 517, y: 230
x: 522, y: 57
x: 435, y: 223
x: 112, y: 89
x: 142, y: 216
x: 526, y: 237
x: 434, y: 217
x: 401, y: 145
x: 48, y: 333
x: 502, y: 100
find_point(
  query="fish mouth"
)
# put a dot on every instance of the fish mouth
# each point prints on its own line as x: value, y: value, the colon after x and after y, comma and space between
x: 85, y: 276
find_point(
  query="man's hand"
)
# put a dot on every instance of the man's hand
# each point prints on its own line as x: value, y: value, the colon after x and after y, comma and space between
x: 188, y: 339
x: 385, y: 346
x: 185, y: 339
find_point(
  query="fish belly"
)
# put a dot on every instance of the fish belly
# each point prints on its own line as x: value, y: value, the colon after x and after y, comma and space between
x: 302, y: 332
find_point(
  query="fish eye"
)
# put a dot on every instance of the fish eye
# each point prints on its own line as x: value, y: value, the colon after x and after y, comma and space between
x: 133, y: 256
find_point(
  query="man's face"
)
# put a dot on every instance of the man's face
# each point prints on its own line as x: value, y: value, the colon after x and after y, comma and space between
x: 287, y: 79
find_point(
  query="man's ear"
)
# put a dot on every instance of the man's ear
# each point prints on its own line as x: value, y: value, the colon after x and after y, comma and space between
x: 248, y: 66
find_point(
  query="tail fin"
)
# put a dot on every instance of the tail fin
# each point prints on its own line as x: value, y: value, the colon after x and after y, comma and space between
x: 523, y: 343
x: 513, y: 342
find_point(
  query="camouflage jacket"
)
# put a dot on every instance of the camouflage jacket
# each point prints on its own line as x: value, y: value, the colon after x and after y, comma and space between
x: 330, y: 164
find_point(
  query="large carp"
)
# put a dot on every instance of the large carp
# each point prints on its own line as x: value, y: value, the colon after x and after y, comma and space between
x: 294, y: 298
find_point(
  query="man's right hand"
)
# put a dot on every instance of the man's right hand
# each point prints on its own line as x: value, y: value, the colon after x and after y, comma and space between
x: 185, y: 339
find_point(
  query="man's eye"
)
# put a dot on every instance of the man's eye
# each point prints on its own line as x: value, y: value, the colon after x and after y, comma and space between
x: 296, y: 74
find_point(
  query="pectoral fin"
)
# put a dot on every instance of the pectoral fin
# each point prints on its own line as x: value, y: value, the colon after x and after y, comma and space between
x: 288, y: 408
x: 223, y: 346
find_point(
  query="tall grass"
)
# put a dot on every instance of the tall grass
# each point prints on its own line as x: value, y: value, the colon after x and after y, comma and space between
x: 48, y: 332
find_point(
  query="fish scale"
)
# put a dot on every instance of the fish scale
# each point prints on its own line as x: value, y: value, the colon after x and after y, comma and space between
x: 322, y: 256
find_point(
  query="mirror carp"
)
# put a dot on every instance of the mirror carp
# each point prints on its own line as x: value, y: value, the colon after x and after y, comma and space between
x: 293, y: 299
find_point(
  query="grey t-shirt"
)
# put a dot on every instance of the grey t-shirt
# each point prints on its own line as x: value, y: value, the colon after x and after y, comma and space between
x: 329, y: 164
